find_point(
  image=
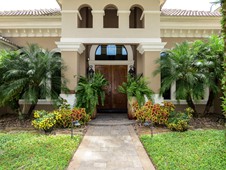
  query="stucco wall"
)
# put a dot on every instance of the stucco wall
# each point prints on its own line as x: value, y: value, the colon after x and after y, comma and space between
x: 44, y: 42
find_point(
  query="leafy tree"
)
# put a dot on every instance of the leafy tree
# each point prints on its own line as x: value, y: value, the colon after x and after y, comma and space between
x: 210, y: 54
x: 181, y: 66
x: 29, y: 76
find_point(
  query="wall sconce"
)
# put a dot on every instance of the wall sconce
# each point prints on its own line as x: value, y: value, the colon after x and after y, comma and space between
x: 132, y: 71
x: 90, y: 71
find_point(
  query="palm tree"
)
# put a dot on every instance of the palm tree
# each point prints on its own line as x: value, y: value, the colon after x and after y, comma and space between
x: 4, y: 56
x: 30, y: 76
x: 181, y: 66
x: 211, y: 53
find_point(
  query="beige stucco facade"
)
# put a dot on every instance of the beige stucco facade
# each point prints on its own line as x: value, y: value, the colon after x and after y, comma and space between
x: 65, y: 33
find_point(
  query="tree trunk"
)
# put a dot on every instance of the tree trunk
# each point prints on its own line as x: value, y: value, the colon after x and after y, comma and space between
x: 209, y: 103
x: 32, y: 107
x: 191, y: 104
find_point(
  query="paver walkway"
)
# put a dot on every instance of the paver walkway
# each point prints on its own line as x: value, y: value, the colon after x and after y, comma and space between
x: 110, y: 148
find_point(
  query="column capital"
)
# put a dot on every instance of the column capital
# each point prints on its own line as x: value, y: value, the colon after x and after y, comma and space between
x: 150, y: 46
x: 123, y: 12
x: 71, y: 46
x: 98, y: 12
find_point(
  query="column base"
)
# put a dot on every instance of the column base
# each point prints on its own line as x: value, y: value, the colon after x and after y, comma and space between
x: 70, y: 99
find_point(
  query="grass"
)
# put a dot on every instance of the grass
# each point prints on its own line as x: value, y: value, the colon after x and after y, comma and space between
x: 35, y: 151
x: 191, y: 150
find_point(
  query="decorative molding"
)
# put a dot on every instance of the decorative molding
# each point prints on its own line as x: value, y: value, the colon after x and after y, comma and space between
x: 71, y: 46
x: 30, y: 32
x: 198, y: 33
x: 150, y: 46
x: 112, y: 40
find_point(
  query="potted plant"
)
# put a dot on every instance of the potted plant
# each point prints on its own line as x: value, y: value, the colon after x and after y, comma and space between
x: 88, y: 92
x: 136, y: 89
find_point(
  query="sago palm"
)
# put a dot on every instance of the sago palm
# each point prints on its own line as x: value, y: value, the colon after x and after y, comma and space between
x: 31, y: 76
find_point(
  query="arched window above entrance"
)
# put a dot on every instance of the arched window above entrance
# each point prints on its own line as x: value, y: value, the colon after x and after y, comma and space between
x: 110, y: 17
x: 111, y: 52
x: 85, y: 17
x: 136, y: 18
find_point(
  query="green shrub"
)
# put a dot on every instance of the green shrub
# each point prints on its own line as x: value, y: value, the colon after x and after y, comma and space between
x: 44, y: 120
x: 179, y: 121
x: 63, y: 117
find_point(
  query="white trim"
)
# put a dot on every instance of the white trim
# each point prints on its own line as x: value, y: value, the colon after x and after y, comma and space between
x: 71, y: 46
x: 98, y: 12
x: 40, y: 102
x: 152, y: 12
x: 175, y: 101
x: 200, y: 102
x: 69, y: 11
x: 112, y: 40
x: 123, y: 12
x: 150, y: 46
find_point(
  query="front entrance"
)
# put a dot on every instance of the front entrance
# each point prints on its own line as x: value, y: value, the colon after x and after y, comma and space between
x: 116, y: 75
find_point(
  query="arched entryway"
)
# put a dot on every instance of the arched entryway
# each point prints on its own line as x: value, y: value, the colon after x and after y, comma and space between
x: 113, y: 61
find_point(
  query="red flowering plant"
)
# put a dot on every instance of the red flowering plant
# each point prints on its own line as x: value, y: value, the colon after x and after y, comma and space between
x: 80, y: 115
x: 154, y: 112
x: 64, y: 117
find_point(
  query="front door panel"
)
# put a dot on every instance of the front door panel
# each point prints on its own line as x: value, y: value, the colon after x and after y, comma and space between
x: 116, y: 75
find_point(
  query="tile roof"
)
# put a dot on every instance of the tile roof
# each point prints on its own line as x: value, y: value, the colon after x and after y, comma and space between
x: 40, y: 12
x: 164, y: 12
x: 8, y: 41
x: 189, y: 13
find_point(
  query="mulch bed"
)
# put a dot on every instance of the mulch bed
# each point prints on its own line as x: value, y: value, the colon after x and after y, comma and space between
x: 10, y: 122
x: 208, y: 122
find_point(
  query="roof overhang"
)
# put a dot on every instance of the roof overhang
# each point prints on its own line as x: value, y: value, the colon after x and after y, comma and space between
x: 8, y: 43
x: 162, y: 2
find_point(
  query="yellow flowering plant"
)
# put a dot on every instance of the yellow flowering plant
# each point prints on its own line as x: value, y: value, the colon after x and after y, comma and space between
x: 44, y: 120
x: 179, y: 121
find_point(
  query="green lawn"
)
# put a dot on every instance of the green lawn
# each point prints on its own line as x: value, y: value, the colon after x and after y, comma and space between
x: 35, y: 151
x: 191, y: 150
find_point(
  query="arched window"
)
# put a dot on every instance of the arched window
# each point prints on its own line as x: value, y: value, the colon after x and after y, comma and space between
x: 110, y: 17
x: 111, y: 52
x: 136, y: 18
x: 85, y: 18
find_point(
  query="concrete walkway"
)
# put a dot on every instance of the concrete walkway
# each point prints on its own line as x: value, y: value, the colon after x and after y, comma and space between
x: 110, y: 148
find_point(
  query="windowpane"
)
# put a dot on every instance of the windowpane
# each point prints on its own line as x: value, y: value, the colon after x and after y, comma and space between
x: 98, y: 51
x: 124, y: 52
x: 111, y: 50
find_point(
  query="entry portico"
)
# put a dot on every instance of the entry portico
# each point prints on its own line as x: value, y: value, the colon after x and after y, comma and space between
x: 110, y: 23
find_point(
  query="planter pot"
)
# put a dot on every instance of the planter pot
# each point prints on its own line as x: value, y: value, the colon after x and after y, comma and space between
x: 131, y: 111
x: 94, y: 115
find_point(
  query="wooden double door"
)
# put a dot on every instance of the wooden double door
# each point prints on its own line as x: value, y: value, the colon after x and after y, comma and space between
x: 116, y: 75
